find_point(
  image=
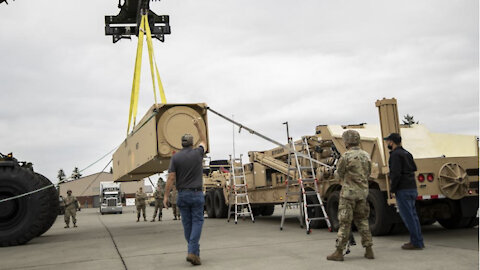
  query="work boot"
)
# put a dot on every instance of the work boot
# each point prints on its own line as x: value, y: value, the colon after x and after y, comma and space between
x: 410, y: 246
x: 75, y: 225
x: 190, y: 257
x: 336, y: 256
x: 197, y: 260
x: 66, y: 226
x: 153, y: 220
x: 369, y: 253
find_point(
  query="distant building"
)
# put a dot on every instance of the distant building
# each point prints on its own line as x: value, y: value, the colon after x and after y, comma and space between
x: 87, y: 188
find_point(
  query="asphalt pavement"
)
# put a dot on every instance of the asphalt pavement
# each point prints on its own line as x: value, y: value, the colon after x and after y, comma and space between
x: 119, y: 242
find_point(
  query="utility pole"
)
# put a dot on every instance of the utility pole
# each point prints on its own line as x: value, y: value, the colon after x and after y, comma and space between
x: 233, y: 134
x: 288, y: 133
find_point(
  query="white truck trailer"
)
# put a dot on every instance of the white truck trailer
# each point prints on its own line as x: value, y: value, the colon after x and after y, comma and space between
x: 110, y: 198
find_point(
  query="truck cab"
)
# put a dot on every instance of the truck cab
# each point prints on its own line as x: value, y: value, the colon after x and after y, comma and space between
x: 110, y: 198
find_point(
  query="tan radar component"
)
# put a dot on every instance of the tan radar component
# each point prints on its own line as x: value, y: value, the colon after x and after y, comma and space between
x: 148, y: 148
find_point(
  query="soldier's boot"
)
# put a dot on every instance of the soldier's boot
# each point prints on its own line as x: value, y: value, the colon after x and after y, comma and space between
x: 66, y: 226
x: 369, y: 253
x: 336, y: 256
x: 160, y: 218
x: 75, y: 225
x: 153, y: 220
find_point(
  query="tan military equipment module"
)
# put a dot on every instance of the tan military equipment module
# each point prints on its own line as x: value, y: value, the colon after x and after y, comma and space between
x: 447, y: 176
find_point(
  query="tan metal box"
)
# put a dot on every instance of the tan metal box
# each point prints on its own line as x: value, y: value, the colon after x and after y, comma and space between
x: 259, y: 175
x: 148, y: 148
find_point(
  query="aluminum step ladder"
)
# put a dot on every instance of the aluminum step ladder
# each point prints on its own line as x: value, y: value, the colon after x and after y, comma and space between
x: 302, y: 173
x: 238, y: 194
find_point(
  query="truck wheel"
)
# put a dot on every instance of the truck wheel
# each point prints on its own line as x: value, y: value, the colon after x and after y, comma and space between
x: 256, y: 211
x: 51, y: 195
x: 332, y: 209
x: 378, y: 221
x: 19, y: 218
x: 267, y: 210
x: 315, y: 212
x: 221, y: 209
x: 209, y: 204
x: 455, y: 223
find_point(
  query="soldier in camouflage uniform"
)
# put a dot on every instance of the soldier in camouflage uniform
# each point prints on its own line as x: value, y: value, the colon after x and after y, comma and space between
x: 353, y: 170
x: 173, y: 202
x: 140, y: 198
x: 71, y: 206
x: 158, y: 195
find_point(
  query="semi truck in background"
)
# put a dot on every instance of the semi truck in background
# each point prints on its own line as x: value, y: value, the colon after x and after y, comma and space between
x: 110, y: 198
x: 447, y: 176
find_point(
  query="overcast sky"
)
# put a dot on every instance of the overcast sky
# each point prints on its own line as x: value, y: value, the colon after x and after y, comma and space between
x: 65, y: 87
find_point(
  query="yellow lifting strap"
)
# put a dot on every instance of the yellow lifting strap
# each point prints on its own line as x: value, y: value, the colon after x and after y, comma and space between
x: 144, y: 28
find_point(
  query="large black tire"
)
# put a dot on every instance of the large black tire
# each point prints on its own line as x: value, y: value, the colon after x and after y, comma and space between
x: 332, y: 209
x: 209, y: 207
x: 51, y: 196
x: 379, y: 225
x: 21, y: 219
x: 457, y: 221
x: 267, y: 210
x: 378, y: 219
x: 256, y: 211
x: 315, y: 212
x: 221, y: 209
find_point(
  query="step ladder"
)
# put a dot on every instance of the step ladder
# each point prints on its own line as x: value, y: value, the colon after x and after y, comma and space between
x: 238, y: 194
x: 302, y: 173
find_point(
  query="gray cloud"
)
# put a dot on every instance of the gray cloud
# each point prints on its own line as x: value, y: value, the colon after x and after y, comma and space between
x: 65, y: 88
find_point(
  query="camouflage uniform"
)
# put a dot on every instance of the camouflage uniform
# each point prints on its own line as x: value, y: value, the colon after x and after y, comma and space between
x: 71, y: 205
x: 140, y: 198
x: 173, y: 202
x: 158, y: 195
x: 353, y: 169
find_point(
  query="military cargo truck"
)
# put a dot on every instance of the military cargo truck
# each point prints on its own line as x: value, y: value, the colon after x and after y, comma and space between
x: 24, y: 218
x: 447, y: 176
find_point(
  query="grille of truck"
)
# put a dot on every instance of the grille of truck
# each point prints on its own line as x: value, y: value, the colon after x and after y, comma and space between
x: 112, y: 202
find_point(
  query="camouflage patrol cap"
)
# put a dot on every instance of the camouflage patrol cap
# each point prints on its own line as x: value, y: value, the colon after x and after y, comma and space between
x: 351, y: 137
x: 187, y: 140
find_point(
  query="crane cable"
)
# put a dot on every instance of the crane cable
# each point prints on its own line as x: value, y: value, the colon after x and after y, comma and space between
x: 144, y: 29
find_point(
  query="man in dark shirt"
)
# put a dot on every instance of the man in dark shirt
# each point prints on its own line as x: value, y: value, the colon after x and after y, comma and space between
x: 402, y: 183
x: 186, y: 169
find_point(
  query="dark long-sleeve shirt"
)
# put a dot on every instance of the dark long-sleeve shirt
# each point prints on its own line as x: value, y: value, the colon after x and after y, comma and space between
x: 402, y: 170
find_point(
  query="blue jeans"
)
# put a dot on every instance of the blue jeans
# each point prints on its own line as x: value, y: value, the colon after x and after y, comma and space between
x: 191, y: 204
x: 406, y: 206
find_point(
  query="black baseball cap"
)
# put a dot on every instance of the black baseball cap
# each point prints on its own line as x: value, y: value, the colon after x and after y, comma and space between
x: 394, y: 137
